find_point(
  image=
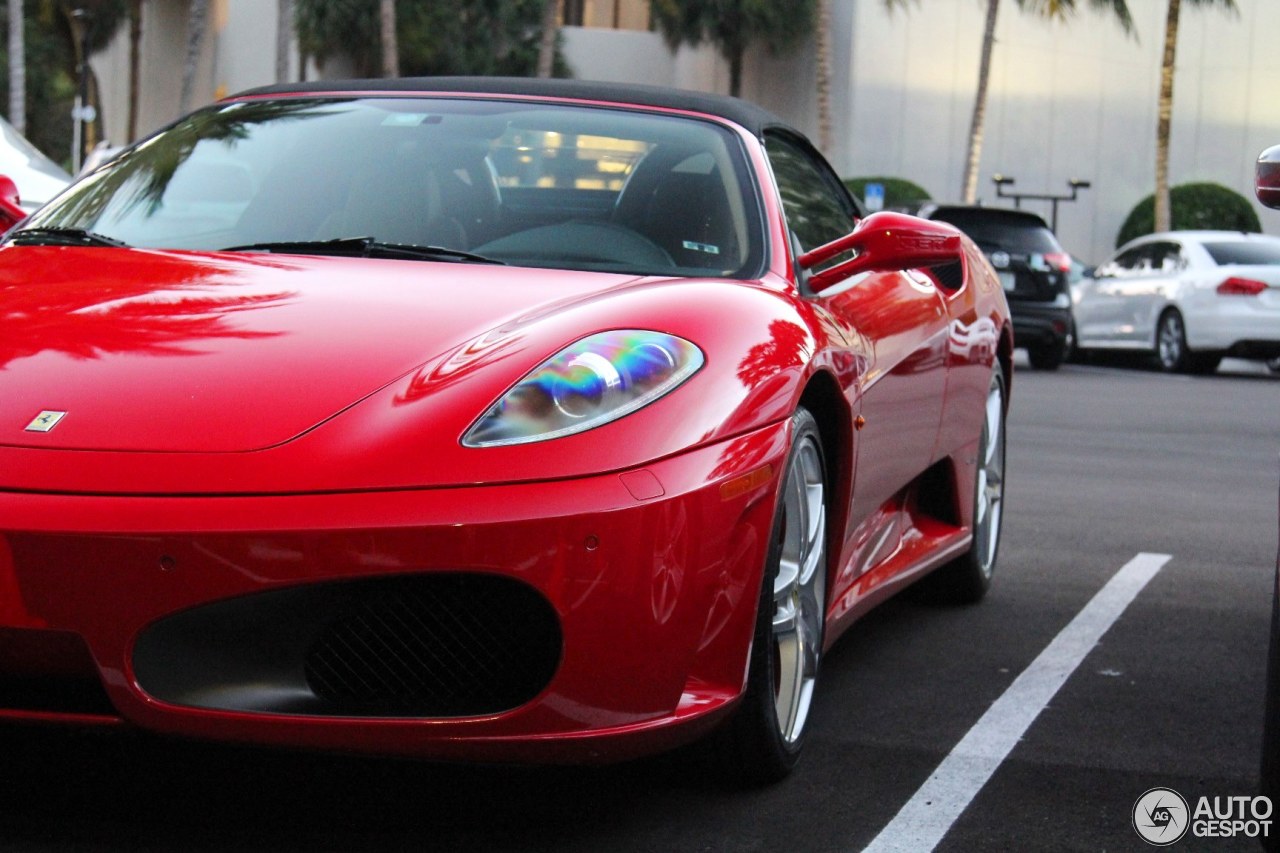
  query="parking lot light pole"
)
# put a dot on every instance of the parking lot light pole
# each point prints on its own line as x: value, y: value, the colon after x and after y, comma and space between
x: 1002, y: 181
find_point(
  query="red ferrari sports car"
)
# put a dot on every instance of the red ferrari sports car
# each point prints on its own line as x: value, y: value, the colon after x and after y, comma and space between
x: 479, y: 419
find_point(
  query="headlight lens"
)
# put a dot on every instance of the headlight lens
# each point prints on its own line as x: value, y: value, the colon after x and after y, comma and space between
x: 597, y: 380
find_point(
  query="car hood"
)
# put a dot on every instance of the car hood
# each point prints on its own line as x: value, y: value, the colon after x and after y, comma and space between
x: 212, y: 353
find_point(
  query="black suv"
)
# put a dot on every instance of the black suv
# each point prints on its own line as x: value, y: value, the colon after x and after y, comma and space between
x: 1033, y: 268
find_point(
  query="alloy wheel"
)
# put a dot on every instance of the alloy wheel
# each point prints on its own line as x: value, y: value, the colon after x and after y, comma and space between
x: 799, y: 591
x: 990, y: 492
x: 1171, y: 341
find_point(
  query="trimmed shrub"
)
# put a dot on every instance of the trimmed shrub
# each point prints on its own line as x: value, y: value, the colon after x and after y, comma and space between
x: 898, y: 192
x: 1198, y: 206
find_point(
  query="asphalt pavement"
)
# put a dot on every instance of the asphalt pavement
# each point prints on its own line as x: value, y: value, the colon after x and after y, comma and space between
x: 1104, y: 463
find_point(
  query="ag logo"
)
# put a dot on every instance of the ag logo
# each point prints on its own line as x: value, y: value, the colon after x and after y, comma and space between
x: 1000, y: 259
x: 1161, y: 816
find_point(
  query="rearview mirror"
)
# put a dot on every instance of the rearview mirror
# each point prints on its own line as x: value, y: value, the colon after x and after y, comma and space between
x: 10, y: 211
x: 1266, y: 181
x: 884, y: 242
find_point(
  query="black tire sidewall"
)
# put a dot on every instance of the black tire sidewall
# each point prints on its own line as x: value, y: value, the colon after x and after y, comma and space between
x: 752, y: 748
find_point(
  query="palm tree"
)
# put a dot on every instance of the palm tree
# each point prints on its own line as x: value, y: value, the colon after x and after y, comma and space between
x: 1164, y: 111
x: 978, y: 119
x: 547, y: 44
x: 390, y: 48
x: 17, y: 68
x: 1051, y: 9
x: 197, y: 22
x: 135, y: 67
x: 284, y: 35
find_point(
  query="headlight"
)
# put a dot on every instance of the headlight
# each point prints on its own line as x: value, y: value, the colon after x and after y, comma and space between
x: 597, y: 380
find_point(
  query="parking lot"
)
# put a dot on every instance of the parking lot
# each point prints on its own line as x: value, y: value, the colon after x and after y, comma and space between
x: 1105, y: 464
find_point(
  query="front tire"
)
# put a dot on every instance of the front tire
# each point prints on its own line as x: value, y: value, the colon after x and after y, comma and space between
x: 762, y: 742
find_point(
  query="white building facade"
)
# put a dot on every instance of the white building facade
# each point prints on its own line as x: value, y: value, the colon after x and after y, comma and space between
x: 1074, y: 100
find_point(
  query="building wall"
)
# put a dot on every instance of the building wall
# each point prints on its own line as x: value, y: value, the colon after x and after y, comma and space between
x: 636, y: 56
x: 1074, y: 100
x: 239, y: 52
x: 164, y: 26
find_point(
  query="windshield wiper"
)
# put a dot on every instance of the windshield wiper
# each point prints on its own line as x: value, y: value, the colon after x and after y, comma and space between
x: 364, y: 247
x: 62, y: 237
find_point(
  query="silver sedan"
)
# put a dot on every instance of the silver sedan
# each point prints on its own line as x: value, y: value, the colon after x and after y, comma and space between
x: 1188, y: 297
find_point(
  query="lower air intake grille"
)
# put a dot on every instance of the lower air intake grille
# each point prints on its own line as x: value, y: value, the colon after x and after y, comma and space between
x: 437, y: 646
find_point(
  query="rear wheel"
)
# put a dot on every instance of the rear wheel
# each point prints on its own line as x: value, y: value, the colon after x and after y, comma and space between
x: 1171, y: 342
x: 1172, y: 352
x: 968, y: 578
x: 762, y: 742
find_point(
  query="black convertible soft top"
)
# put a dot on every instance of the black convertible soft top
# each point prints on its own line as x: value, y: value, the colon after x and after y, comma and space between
x: 753, y: 118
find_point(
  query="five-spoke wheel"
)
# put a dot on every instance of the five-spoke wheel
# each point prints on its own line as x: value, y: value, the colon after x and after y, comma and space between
x: 967, y: 578
x: 799, y: 592
x: 762, y: 742
x: 1172, y: 353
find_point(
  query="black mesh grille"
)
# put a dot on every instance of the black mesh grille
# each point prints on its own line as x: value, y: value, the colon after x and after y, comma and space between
x: 439, y: 646
x: 950, y: 276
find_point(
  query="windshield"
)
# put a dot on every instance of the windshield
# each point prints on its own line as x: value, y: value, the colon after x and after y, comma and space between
x: 526, y: 183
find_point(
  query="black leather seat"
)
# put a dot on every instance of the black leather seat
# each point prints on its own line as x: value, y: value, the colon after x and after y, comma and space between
x: 685, y: 210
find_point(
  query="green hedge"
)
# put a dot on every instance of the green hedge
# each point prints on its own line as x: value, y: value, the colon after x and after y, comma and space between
x: 898, y: 192
x: 1198, y: 206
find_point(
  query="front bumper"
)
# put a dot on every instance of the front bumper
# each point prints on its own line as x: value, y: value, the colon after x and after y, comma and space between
x: 651, y: 577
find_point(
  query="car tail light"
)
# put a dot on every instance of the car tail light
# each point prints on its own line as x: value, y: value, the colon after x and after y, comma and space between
x: 1236, y: 286
x: 1058, y: 260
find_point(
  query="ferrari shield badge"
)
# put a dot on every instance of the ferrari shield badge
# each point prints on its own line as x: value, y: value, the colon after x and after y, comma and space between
x: 45, y: 421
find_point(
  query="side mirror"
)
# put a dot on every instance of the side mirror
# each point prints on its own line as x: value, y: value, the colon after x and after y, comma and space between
x: 884, y: 242
x: 1266, y: 181
x: 10, y: 211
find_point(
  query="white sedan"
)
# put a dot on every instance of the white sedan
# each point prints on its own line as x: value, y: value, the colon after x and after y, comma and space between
x: 37, y: 177
x: 1188, y: 297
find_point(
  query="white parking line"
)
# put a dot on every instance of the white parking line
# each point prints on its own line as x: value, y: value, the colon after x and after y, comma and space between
x: 927, y: 817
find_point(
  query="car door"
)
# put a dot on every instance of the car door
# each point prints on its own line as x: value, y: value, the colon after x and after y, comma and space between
x: 1101, y: 310
x: 1144, y: 296
x: 901, y: 319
